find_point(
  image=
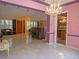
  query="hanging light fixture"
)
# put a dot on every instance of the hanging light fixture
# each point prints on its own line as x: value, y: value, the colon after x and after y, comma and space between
x: 54, y: 8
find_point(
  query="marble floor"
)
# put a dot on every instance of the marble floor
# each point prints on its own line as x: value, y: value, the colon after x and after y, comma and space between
x: 37, y: 49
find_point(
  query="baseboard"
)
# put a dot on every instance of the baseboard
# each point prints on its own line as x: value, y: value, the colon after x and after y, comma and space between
x: 50, y: 43
x: 77, y: 49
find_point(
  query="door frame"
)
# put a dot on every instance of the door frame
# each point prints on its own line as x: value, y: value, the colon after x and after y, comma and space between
x: 66, y: 30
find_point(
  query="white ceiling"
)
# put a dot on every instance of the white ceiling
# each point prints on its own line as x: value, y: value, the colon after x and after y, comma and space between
x: 9, y: 11
x: 62, y: 1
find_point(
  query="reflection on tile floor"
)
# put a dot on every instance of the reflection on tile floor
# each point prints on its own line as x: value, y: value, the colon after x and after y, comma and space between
x: 38, y: 49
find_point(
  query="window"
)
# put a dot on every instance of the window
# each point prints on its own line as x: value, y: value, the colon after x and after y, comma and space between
x: 1, y: 22
x: 5, y: 24
x: 31, y: 24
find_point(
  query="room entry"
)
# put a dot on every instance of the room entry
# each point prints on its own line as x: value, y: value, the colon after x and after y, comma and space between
x: 61, y: 28
x: 36, y: 29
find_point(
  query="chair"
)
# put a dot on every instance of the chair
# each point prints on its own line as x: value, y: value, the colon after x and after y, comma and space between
x: 4, y: 45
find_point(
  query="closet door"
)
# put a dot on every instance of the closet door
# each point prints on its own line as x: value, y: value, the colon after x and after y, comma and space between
x: 62, y: 28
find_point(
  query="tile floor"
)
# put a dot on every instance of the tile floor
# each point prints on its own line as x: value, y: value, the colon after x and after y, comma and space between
x: 38, y: 49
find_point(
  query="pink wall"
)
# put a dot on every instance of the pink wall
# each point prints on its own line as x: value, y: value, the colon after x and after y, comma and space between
x: 73, y: 20
x: 38, y: 6
x: 27, y: 3
x: 73, y: 25
x: 52, y: 29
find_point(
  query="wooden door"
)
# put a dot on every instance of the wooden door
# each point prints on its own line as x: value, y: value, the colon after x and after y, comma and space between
x: 20, y: 26
x: 62, y: 28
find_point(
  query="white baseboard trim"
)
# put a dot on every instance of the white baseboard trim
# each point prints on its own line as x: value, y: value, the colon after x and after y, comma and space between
x: 50, y: 43
x: 77, y: 49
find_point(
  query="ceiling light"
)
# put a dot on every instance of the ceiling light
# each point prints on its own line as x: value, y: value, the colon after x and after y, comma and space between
x: 54, y: 7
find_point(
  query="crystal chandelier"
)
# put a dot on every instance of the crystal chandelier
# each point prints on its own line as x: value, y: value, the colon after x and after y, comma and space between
x: 54, y: 8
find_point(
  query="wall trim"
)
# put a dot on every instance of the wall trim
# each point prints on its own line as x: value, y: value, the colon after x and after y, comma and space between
x: 76, y: 1
x: 50, y: 33
x: 50, y: 43
x: 73, y: 48
x: 20, y: 6
x: 41, y: 2
x: 73, y: 35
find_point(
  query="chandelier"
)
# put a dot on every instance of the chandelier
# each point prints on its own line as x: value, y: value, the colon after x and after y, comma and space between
x: 54, y: 8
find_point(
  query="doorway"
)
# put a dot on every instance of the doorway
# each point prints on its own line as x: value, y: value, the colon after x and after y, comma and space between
x: 19, y: 20
x: 35, y: 29
x: 62, y: 28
